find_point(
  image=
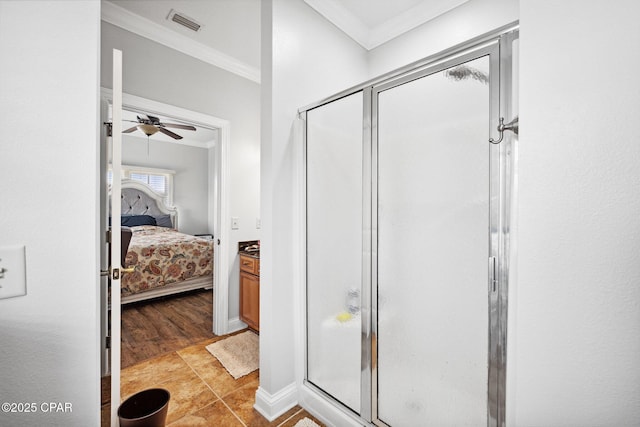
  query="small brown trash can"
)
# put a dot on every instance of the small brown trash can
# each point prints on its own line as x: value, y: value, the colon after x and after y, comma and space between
x: 147, y: 408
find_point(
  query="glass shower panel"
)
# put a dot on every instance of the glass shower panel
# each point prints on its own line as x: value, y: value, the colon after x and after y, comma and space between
x: 433, y: 248
x: 334, y: 248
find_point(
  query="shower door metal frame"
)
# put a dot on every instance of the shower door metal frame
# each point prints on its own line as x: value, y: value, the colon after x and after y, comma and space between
x: 492, y: 51
x: 497, y: 45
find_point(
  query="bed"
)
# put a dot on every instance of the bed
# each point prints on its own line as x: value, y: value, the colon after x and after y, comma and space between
x: 165, y: 261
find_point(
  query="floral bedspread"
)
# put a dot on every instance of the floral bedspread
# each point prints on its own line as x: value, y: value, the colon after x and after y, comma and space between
x: 163, y: 256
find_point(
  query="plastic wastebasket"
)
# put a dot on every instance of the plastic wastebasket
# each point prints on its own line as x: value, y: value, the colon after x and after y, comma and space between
x: 147, y: 408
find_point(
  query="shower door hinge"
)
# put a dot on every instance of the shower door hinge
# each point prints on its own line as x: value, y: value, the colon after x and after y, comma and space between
x: 493, y: 281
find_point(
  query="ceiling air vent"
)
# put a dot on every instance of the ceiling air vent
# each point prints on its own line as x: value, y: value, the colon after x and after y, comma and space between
x: 181, y: 19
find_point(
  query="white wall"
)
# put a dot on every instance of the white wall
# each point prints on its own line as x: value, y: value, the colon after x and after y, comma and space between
x: 49, y: 338
x: 577, y: 338
x: 304, y: 58
x: 156, y: 72
x: 191, y: 183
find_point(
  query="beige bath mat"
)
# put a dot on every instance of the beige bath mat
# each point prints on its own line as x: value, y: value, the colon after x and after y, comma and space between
x: 306, y: 422
x: 238, y: 354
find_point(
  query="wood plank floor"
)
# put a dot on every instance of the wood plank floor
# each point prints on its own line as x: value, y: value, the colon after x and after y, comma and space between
x: 150, y: 329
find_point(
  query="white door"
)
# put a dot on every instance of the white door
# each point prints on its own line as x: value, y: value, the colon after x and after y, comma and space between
x: 115, y: 154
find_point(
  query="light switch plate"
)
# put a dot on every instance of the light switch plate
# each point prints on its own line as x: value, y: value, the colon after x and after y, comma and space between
x: 235, y: 223
x: 13, y: 272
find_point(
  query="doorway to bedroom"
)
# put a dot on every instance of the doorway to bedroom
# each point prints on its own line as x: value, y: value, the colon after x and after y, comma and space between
x: 174, y: 187
x: 168, y: 307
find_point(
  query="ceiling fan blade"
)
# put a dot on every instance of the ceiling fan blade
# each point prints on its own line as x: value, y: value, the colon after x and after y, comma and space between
x: 130, y: 129
x: 168, y: 132
x: 153, y: 120
x: 177, y: 126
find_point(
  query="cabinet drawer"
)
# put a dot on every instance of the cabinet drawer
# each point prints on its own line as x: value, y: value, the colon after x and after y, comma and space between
x: 250, y: 265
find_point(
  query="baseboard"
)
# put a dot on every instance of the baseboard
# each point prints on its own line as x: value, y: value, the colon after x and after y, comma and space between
x: 271, y: 406
x: 330, y: 413
x: 235, y: 324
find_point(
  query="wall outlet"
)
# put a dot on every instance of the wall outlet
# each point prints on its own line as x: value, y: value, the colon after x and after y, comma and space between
x: 235, y: 221
x: 13, y: 272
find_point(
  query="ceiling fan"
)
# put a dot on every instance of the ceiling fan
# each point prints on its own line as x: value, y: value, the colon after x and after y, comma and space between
x: 149, y: 125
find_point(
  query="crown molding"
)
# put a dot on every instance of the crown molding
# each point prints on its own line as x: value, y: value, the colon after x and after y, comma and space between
x: 410, y: 19
x: 120, y: 17
x: 370, y: 38
x: 342, y: 18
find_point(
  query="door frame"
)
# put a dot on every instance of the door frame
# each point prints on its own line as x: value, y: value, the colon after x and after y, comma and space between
x: 219, y: 214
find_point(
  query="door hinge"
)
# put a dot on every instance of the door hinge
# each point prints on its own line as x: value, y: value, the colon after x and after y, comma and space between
x: 107, y: 342
x: 108, y: 236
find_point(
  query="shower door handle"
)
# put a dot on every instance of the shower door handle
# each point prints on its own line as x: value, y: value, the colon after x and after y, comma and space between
x: 493, y: 273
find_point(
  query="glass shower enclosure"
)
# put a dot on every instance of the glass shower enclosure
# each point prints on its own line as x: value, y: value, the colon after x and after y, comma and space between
x: 407, y: 225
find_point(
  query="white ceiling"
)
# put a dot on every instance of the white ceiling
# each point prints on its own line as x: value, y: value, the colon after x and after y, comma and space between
x: 373, y: 14
x: 229, y: 26
x: 230, y: 33
x: 229, y: 37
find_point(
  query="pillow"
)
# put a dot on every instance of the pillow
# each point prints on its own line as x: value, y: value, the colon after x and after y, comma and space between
x: 133, y: 220
x: 164, y: 221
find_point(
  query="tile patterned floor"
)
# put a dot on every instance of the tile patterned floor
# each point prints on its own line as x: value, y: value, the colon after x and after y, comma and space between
x: 202, y: 391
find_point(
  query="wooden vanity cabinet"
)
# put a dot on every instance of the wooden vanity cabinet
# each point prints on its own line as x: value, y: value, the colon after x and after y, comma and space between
x: 250, y: 291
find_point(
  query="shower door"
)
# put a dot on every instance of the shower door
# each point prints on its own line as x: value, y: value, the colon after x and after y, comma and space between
x: 434, y: 219
x: 407, y: 242
x: 334, y: 248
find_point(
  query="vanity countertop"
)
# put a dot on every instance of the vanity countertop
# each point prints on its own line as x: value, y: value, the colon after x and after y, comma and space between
x: 249, y: 248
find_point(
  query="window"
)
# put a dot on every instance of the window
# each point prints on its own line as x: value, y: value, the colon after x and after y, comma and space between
x: 157, y: 182
x: 160, y: 180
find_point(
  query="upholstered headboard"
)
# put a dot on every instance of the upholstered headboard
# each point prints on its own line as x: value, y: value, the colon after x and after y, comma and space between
x: 140, y: 199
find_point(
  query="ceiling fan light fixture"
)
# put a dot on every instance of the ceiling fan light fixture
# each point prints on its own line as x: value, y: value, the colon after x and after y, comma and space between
x: 147, y: 129
x: 150, y: 125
